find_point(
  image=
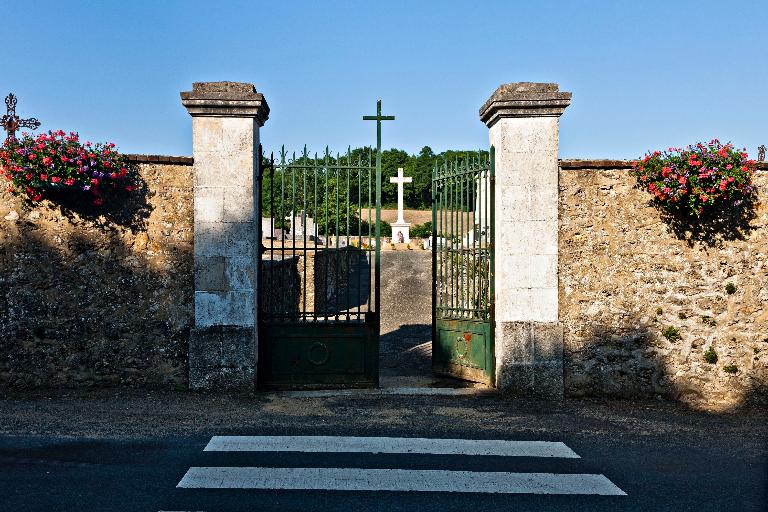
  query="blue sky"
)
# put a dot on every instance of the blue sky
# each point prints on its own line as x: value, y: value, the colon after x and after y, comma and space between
x: 644, y: 75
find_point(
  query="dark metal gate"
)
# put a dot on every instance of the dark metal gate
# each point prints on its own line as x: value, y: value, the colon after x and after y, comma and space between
x: 462, y: 268
x: 319, y: 298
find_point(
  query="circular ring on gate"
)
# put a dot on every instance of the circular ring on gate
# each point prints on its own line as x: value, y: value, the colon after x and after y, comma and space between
x: 318, y: 349
x: 465, y: 339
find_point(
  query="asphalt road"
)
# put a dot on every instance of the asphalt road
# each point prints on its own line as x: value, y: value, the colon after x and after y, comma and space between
x: 662, y: 457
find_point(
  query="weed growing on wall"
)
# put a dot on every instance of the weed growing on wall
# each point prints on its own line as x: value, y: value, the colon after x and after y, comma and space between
x: 57, y: 163
x: 710, y: 356
x: 671, y: 333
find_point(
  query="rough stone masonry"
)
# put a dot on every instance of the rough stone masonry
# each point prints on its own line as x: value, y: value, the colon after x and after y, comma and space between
x: 100, y: 299
x: 625, y: 276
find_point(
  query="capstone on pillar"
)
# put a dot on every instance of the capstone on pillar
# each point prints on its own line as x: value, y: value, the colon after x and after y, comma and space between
x: 523, y: 120
x: 223, y: 346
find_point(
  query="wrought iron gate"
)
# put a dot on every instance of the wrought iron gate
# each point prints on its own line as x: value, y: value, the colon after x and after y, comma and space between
x: 462, y: 268
x: 320, y: 268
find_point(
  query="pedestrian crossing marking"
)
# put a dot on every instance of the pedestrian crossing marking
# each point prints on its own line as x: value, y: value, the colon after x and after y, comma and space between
x: 329, y: 444
x: 402, y: 480
x: 395, y: 480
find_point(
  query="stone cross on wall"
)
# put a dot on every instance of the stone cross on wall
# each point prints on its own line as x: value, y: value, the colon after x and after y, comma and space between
x: 400, y: 180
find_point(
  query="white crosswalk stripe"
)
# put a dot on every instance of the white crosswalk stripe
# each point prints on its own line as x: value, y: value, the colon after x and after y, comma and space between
x: 355, y: 479
x: 329, y: 444
x: 418, y: 480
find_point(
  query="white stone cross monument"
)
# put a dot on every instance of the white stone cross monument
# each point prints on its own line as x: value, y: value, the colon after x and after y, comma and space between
x: 400, y: 226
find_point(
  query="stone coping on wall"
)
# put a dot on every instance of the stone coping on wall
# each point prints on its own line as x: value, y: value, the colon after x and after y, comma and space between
x: 159, y: 159
x: 573, y: 164
x: 565, y: 164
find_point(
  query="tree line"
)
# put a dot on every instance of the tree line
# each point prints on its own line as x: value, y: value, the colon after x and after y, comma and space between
x: 294, y: 183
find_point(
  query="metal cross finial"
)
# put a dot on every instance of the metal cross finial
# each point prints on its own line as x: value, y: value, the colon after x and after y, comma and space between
x: 761, y: 153
x: 378, y: 118
x: 12, y: 122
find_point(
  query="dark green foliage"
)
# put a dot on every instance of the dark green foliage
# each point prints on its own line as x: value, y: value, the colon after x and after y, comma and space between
x: 710, y: 356
x: 730, y: 288
x: 730, y: 368
x: 386, y: 228
x: 671, y: 333
x: 422, y: 230
x: 708, y: 320
x: 659, y: 311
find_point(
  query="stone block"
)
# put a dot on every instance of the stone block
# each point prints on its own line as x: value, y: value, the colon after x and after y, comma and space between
x: 517, y: 237
x: 207, y: 135
x: 514, y: 344
x: 210, y: 238
x: 238, y: 204
x: 515, y: 379
x: 547, y: 341
x: 235, y: 308
x: 239, y: 134
x: 210, y: 274
x: 240, y: 240
x: 527, y: 270
x: 209, y: 204
x: 515, y: 304
x: 215, y: 378
x: 222, y: 345
x: 222, y: 357
x: 238, y: 346
x: 525, y: 135
x: 529, y: 359
x: 240, y: 273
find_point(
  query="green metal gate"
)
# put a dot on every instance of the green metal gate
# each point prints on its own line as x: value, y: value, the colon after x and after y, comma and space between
x: 462, y: 268
x: 319, y: 299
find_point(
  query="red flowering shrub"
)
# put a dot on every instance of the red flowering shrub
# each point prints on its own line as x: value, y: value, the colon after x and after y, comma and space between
x: 55, y: 161
x: 698, y: 179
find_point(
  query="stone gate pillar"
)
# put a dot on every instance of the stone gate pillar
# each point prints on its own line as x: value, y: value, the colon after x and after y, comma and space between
x: 523, y: 119
x: 226, y: 117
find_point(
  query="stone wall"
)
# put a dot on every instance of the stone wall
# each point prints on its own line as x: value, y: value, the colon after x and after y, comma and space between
x: 99, y: 297
x: 626, y: 275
